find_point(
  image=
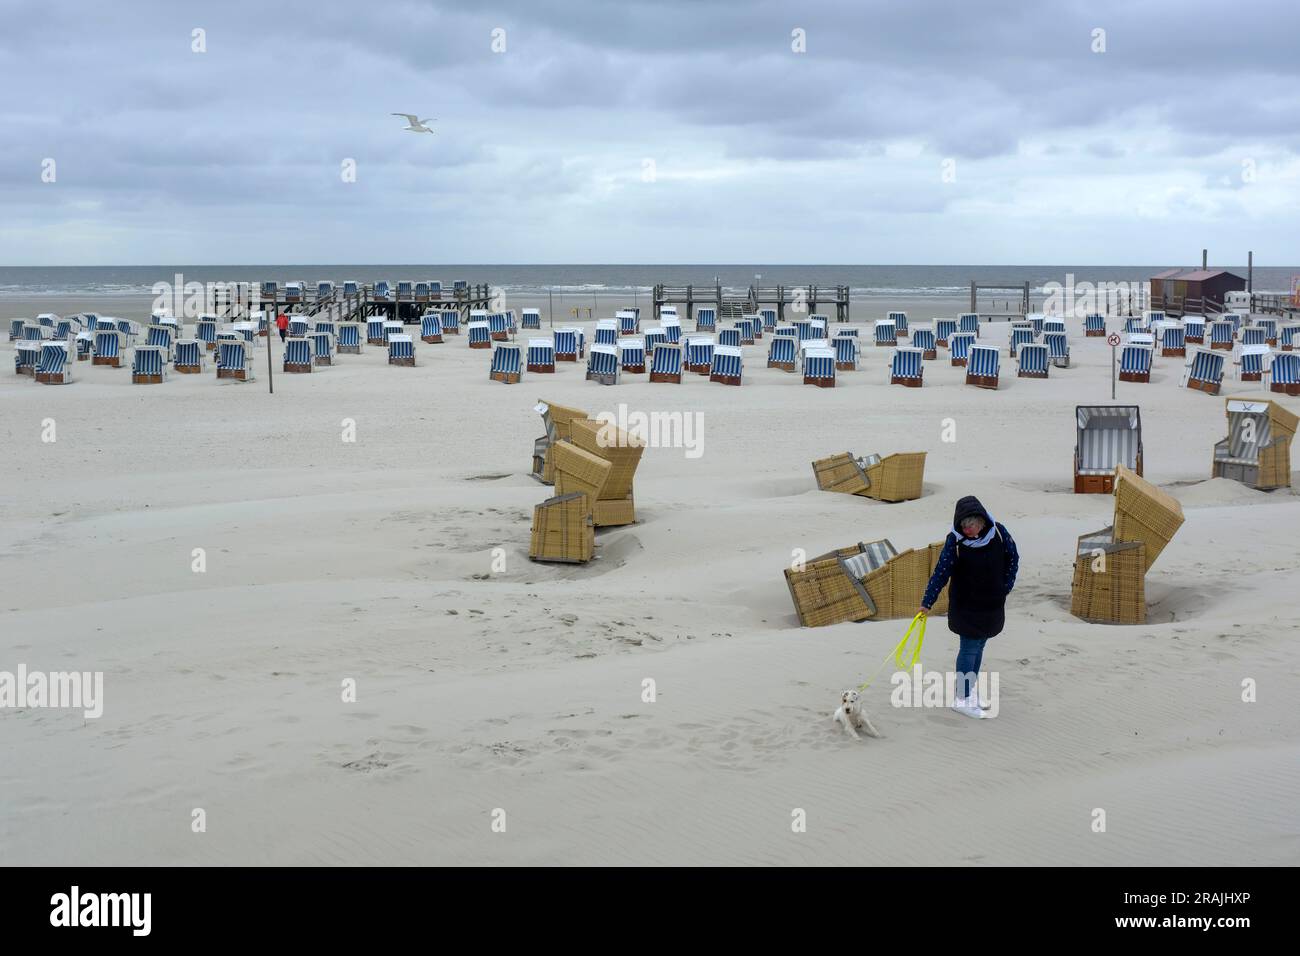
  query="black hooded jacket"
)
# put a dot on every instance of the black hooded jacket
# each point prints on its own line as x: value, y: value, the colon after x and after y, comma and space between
x: 980, y: 578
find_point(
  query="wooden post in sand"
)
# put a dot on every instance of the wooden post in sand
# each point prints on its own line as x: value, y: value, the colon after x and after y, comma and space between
x: 270, y: 323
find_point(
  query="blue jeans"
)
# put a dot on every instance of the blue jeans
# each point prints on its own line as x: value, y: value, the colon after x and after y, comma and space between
x: 969, y: 657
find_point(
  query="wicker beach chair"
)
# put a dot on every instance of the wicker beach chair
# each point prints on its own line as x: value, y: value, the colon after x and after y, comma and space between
x: 557, y: 419
x: 1107, y: 437
x: 896, y: 477
x: 614, y: 505
x: 563, y: 530
x: 869, y: 581
x: 1257, y: 451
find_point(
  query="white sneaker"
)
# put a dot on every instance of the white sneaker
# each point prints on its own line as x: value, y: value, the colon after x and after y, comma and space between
x: 968, y: 706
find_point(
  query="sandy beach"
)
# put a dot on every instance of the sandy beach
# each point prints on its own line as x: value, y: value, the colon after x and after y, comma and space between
x: 520, y: 690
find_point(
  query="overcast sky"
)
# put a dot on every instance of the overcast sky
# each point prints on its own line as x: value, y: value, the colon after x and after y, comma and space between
x: 909, y: 132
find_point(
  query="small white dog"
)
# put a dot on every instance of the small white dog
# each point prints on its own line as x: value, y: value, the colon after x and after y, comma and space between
x: 851, y: 716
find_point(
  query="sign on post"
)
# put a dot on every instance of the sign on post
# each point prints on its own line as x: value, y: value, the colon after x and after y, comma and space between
x: 1113, y: 341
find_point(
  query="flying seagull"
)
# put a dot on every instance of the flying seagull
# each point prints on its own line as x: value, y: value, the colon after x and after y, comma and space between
x: 415, y: 124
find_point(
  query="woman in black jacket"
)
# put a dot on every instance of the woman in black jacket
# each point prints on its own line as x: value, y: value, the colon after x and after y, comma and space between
x: 980, y: 559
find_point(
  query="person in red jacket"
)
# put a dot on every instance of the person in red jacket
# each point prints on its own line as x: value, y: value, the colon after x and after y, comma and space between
x: 282, y: 323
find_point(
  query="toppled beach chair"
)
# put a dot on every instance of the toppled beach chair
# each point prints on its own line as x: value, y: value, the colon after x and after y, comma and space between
x: 401, y: 349
x: 1107, y: 437
x: 349, y: 339
x: 531, y: 319
x: 1058, y: 348
x: 781, y: 353
x: 1172, y: 342
x: 1094, y: 325
x: 562, y: 530
x: 27, y: 355
x: 108, y: 348
x: 602, y: 364
x: 925, y: 341
x: 666, y: 364
x: 505, y: 364
x: 869, y: 581
x: 1135, y: 363
x: 1252, y: 362
x: 578, y: 470
x: 541, y: 356
x: 614, y: 504
x: 567, y: 348
x: 896, y: 477
x: 557, y: 419
x: 959, y: 346
x: 728, y: 365
x: 886, y: 333
x: 1221, y: 334
x: 297, y: 355
x: 818, y: 366
x: 698, y: 357
x: 149, y: 365
x: 431, y: 328
x: 982, y: 366
x: 234, y: 360
x: 943, y: 331
x: 450, y: 320
x: 631, y: 353
x: 55, y: 361
x: 846, y: 352
x: 480, y: 337
x: 1257, y: 451
x: 969, y: 322
x: 907, y: 368
x: 706, y: 320
x: 1110, y: 565
x: 1204, y: 371
x: 322, y: 348
x: 189, y: 357
x: 1031, y: 362
x: 1285, y: 374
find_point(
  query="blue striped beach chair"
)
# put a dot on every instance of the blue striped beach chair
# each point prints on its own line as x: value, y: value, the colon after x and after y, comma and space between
x: 886, y: 333
x: 1270, y: 330
x: 531, y: 319
x: 629, y: 321
x: 293, y: 292
x: 541, y: 356
x: 322, y: 348
x: 672, y: 327
x: 1058, y: 348
x: 1094, y: 325
x: 1257, y: 449
x: 846, y: 352
x: 818, y: 326
x: 85, y: 346
x: 206, y: 333
x: 1172, y: 341
x: 505, y: 364
x: 907, y: 368
x: 393, y: 327
x: 768, y: 317
x: 728, y: 365
x: 108, y: 347
x: 383, y: 290
x: 1031, y: 360
x: 435, y: 289
x: 666, y: 363
x: 747, y: 326
x: 924, y: 339
x: 1236, y: 318
x: 1135, y: 363
x: 1253, y: 335
x: 943, y: 331
x: 818, y: 366
x: 16, y: 329
x: 1204, y: 371
x: 189, y: 357
x: 631, y: 352
x: 297, y: 355
x: 66, y: 328
x: 47, y: 320
x: 326, y: 326
x: 422, y: 291
x: 670, y: 311
x: 270, y: 290
x: 450, y: 320
x: 54, y: 363
x: 1152, y: 316
x: 130, y: 330
x: 1053, y: 326
x: 602, y: 363
x: 324, y: 291
x: 431, y: 328
x: 1107, y: 436
x: 982, y: 366
x: 148, y: 366
x: 90, y: 320
x: 351, y: 287
x: 969, y: 322
x: 349, y: 338
x: 401, y: 349
x: 245, y: 330
x: 460, y: 287
x: 959, y: 347
x: 1020, y: 336
x: 498, y: 326
x: 1194, y: 331
x: 787, y: 330
x: 1285, y: 373
x: 1253, y: 362
x: 566, y: 345
x: 781, y: 352
x: 1288, y: 337
x: 161, y: 336
x: 607, y: 332
x: 375, y: 331
x: 706, y: 320
x: 1036, y: 323
x: 1134, y: 324
x: 729, y: 338
x: 27, y: 355
x: 803, y: 329
x: 654, y: 336
x: 1221, y: 334
x: 900, y: 323
x: 234, y: 359
x: 479, y: 336
x: 698, y: 356
x: 298, y: 326
x: 405, y: 290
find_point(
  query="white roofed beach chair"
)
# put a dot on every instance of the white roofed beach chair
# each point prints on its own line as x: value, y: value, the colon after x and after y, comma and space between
x: 969, y: 322
x: 322, y: 348
x: 55, y: 362
x: 1135, y: 363
x: 450, y: 320
x: 698, y: 356
x: 1058, y: 348
x: 606, y: 331
x: 479, y: 336
x: 631, y: 351
x: 349, y: 338
x: 666, y: 363
x: 781, y: 352
x: 541, y: 356
x: 27, y: 355
x: 505, y: 364
x: 959, y: 347
x: 1221, y: 334
x: 900, y: 323
x: 818, y: 366
x: 401, y: 349
x: 982, y: 366
x: 886, y: 333
x: 729, y: 338
x: 1284, y: 376
x: 1172, y: 342
x: 566, y: 345
x: 846, y: 352
x: 943, y: 331
x: 602, y: 363
x: 1106, y: 436
x: 728, y: 365
x: 907, y: 368
x: 431, y: 328
x: 234, y: 359
x: 1204, y: 371
x: 108, y: 348
x: 924, y: 340
x: 531, y: 319
x: 189, y: 357
x: 1194, y: 331
x: 1031, y: 360
x: 297, y: 355
x: 1253, y: 362
x: 1257, y: 451
x: 149, y: 365
x: 1094, y: 325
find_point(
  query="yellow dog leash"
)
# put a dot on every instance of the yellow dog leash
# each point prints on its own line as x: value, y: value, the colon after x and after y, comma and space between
x: 898, y: 652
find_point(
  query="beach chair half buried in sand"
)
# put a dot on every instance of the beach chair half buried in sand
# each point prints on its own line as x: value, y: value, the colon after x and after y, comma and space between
x: 982, y: 366
x: 234, y: 360
x: 55, y: 362
x: 959, y: 346
x: 896, y: 477
x: 349, y: 338
x: 189, y: 357
x: 602, y: 364
x: 505, y: 363
x: 925, y: 340
x: 431, y: 328
x: 1135, y: 363
x: 1204, y: 371
x: 1110, y: 565
x: 631, y: 351
x: 666, y: 364
x: 563, y: 530
x: 869, y: 581
x: 149, y: 365
x: 541, y: 356
x: 818, y: 366
x: 297, y: 355
x: 698, y: 354
x: 558, y: 421
x: 1257, y: 451
x: 908, y: 368
x: 401, y: 349
x: 728, y: 365
x: 1106, y: 437
x: 1031, y: 360
x: 1285, y: 374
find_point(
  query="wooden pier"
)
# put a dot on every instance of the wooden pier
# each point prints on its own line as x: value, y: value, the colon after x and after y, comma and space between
x: 731, y: 305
